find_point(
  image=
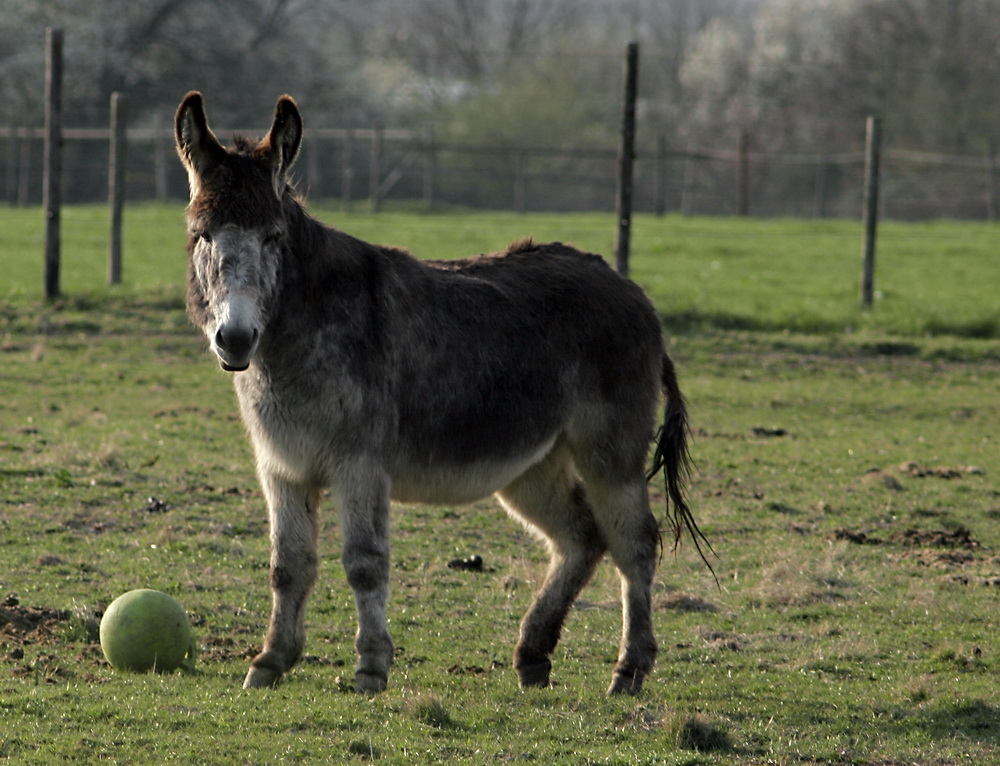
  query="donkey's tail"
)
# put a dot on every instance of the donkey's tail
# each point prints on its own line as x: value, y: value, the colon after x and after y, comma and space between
x: 672, y: 457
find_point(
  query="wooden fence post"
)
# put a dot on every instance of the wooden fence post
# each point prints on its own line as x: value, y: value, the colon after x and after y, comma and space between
x: 660, y: 188
x: 346, y: 172
x: 991, y: 190
x: 430, y: 168
x: 822, y: 188
x: 313, y: 173
x: 116, y: 187
x: 160, y: 145
x: 24, y: 169
x: 375, y: 171
x: 870, y: 210
x: 743, y: 175
x: 689, y: 181
x: 520, y: 182
x: 626, y: 158
x: 10, y: 169
x: 52, y: 182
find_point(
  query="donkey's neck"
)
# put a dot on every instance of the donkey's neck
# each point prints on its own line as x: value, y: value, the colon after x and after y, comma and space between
x: 328, y: 293
x: 320, y: 253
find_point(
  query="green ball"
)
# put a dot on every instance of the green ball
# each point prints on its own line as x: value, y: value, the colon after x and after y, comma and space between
x: 146, y: 630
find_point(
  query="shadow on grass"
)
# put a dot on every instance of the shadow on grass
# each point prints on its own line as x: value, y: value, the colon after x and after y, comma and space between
x: 973, y: 720
x: 95, y: 314
x: 694, y: 321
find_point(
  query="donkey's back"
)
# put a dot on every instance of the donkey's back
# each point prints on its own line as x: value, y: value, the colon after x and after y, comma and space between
x: 533, y: 374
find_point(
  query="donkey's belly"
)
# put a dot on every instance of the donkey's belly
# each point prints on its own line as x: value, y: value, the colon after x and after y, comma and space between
x: 458, y: 484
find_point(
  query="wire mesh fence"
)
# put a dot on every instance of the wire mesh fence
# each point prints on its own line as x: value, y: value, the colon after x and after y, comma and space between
x: 373, y: 167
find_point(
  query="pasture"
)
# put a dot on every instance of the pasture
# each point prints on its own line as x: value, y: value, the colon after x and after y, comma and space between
x: 846, y: 475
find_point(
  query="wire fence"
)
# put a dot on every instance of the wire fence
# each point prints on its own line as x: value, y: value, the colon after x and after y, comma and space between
x: 376, y: 166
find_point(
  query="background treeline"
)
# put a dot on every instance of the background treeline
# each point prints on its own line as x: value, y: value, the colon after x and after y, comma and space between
x: 784, y: 77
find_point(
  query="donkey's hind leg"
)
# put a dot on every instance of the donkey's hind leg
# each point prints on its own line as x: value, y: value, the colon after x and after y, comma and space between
x: 622, y: 513
x: 551, y: 501
x: 292, y: 513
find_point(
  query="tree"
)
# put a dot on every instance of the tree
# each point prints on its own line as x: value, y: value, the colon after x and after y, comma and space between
x: 716, y: 81
x: 805, y: 74
x: 242, y: 53
x: 472, y: 39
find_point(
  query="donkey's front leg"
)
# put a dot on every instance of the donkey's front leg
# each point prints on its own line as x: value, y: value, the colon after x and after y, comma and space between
x: 292, y: 514
x: 364, y: 514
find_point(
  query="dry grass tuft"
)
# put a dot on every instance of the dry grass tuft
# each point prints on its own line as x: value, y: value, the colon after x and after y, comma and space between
x: 696, y: 732
x: 428, y: 710
x: 685, y: 602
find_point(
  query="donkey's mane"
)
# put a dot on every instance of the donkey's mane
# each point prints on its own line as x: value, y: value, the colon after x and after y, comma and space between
x: 243, y: 144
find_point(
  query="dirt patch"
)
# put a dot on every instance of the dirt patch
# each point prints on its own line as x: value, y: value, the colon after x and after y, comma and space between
x: 769, y: 431
x: 939, y: 559
x: 957, y: 538
x: 858, y: 538
x: 724, y: 640
x: 940, y: 472
x: 34, y: 640
x: 29, y: 624
x: 934, y: 548
x: 216, y: 648
x: 876, y: 478
x: 989, y: 582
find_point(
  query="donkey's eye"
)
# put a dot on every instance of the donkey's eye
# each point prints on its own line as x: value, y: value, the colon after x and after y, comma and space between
x: 205, y: 236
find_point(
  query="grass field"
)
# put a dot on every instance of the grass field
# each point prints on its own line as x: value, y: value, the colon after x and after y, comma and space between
x: 846, y: 475
x: 932, y: 279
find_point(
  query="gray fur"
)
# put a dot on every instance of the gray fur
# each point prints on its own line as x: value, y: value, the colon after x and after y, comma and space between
x: 534, y: 374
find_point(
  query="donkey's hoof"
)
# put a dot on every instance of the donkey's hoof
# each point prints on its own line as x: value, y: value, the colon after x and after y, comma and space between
x: 535, y: 674
x: 370, y: 683
x: 629, y: 682
x: 261, y: 678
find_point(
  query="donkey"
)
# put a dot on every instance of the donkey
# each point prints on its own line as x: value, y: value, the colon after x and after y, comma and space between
x: 533, y: 373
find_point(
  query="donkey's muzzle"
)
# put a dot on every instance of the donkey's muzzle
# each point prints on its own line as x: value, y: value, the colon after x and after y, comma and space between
x: 234, y: 346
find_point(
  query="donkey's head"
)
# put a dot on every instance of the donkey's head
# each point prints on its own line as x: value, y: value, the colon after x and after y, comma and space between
x: 236, y: 225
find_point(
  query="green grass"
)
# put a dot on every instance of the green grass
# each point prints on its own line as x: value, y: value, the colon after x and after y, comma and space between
x: 852, y: 625
x: 932, y: 279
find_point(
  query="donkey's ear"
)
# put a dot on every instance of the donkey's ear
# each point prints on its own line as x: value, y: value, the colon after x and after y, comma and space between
x: 197, y: 145
x: 281, y: 145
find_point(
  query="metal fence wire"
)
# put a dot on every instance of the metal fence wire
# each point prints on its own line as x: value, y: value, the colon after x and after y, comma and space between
x: 372, y: 167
